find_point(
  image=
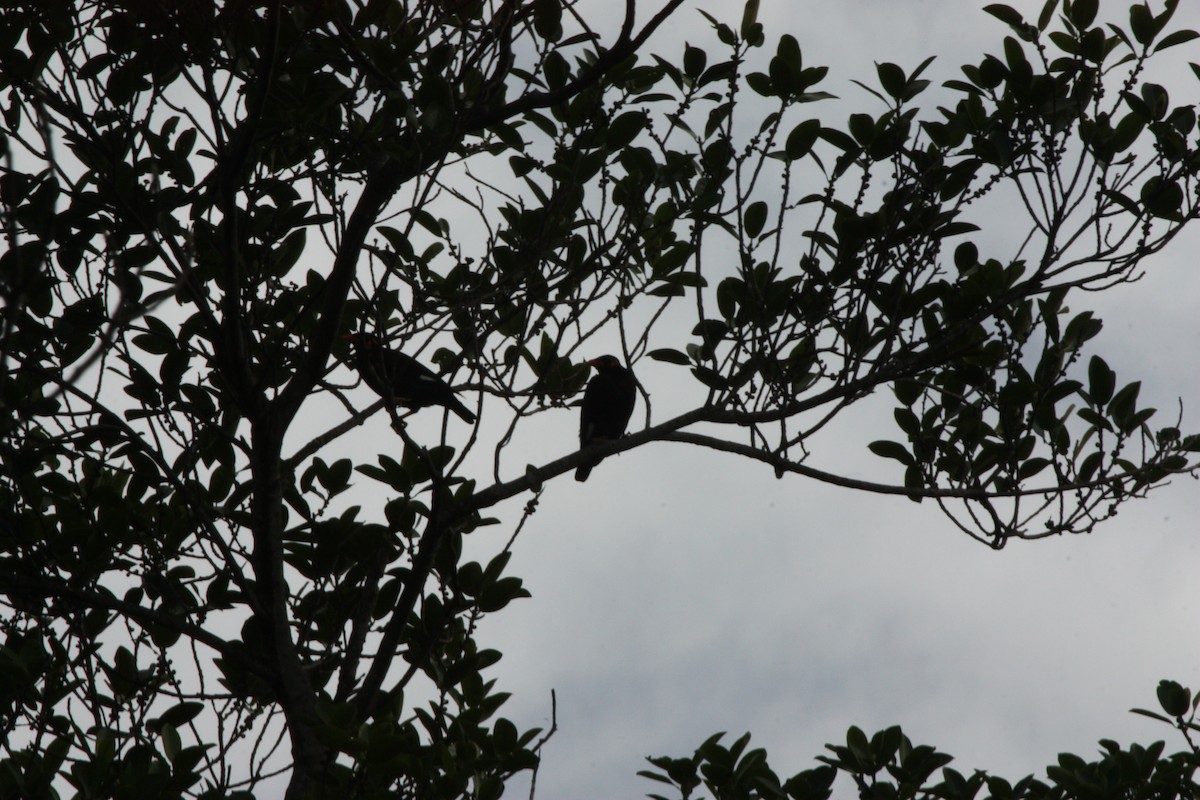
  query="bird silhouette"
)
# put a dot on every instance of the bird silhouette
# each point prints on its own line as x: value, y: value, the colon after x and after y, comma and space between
x: 401, y: 379
x: 607, y: 406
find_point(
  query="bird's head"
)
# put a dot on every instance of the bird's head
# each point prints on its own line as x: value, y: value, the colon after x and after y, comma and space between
x: 363, y: 340
x: 604, y: 362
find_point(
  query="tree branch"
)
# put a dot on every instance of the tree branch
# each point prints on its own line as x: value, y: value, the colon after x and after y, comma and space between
x: 625, y: 46
x: 14, y: 583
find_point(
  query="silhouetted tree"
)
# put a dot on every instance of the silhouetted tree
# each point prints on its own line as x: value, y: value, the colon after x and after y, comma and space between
x: 200, y: 200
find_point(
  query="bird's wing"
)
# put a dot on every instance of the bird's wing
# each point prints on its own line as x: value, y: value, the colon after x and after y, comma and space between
x: 593, y: 398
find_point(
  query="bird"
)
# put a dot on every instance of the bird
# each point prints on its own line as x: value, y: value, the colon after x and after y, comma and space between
x: 607, y: 406
x: 401, y: 379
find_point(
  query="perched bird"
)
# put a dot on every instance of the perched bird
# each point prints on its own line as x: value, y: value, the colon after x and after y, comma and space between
x: 402, y: 379
x: 607, y: 406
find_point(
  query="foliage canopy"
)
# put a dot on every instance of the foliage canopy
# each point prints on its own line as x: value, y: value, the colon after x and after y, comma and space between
x: 200, y: 200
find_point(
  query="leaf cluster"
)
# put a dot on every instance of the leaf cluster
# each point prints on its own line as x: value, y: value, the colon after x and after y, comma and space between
x: 887, y: 765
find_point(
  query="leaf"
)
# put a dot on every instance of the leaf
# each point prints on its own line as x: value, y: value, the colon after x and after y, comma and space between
x: 716, y: 118
x: 1125, y: 401
x: 170, y: 742
x: 710, y: 378
x: 1163, y: 198
x: 915, y: 483
x: 730, y: 293
x: 725, y: 33
x: 892, y: 79
x: 547, y: 19
x: 1174, y: 698
x: 802, y: 138
x: 966, y: 256
x: 1157, y: 99
x: 1031, y: 467
x: 711, y: 331
x: 694, y: 61
x: 624, y: 129
x: 1152, y: 715
x: 1101, y: 381
x: 1141, y: 22
x: 1124, y: 135
x: 499, y: 594
x: 667, y: 290
x: 1083, y: 13
x: 181, y: 714
x: 955, y: 229
x: 749, y: 18
x: 669, y: 356
x: 862, y: 128
x: 1006, y: 14
x: 908, y: 421
x: 288, y: 252
x: 789, y: 51
x: 760, y: 82
x: 754, y: 218
x: 1176, y: 38
x: 887, y: 449
x: 908, y: 391
x: 1088, y: 467
x: 1047, y: 14
x: 1081, y: 328
x: 840, y: 140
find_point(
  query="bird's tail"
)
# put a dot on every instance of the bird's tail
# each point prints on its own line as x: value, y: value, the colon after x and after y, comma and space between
x: 583, y: 470
x: 462, y: 411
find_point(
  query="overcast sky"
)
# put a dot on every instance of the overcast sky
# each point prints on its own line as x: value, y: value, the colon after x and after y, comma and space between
x: 679, y: 592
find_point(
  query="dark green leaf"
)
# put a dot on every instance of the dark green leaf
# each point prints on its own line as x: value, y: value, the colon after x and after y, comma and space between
x: 1101, y: 381
x: 895, y: 450
x: 755, y: 218
x: 966, y: 256
x: 1031, y: 467
x: 1006, y: 14
x: 694, y: 61
x: 1141, y: 22
x: 892, y: 79
x: 1163, y: 198
x: 760, y: 82
x: 749, y: 18
x: 1125, y: 401
x: 1047, y: 14
x: 624, y: 129
x: 862, y: 128
x: 710, y: 378
x: 670, y: 356
x: 802, y: 138
x: 181, y: 714
x: 1083, y: 13
x: 1176, y: 38
x: 1174, y: 698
